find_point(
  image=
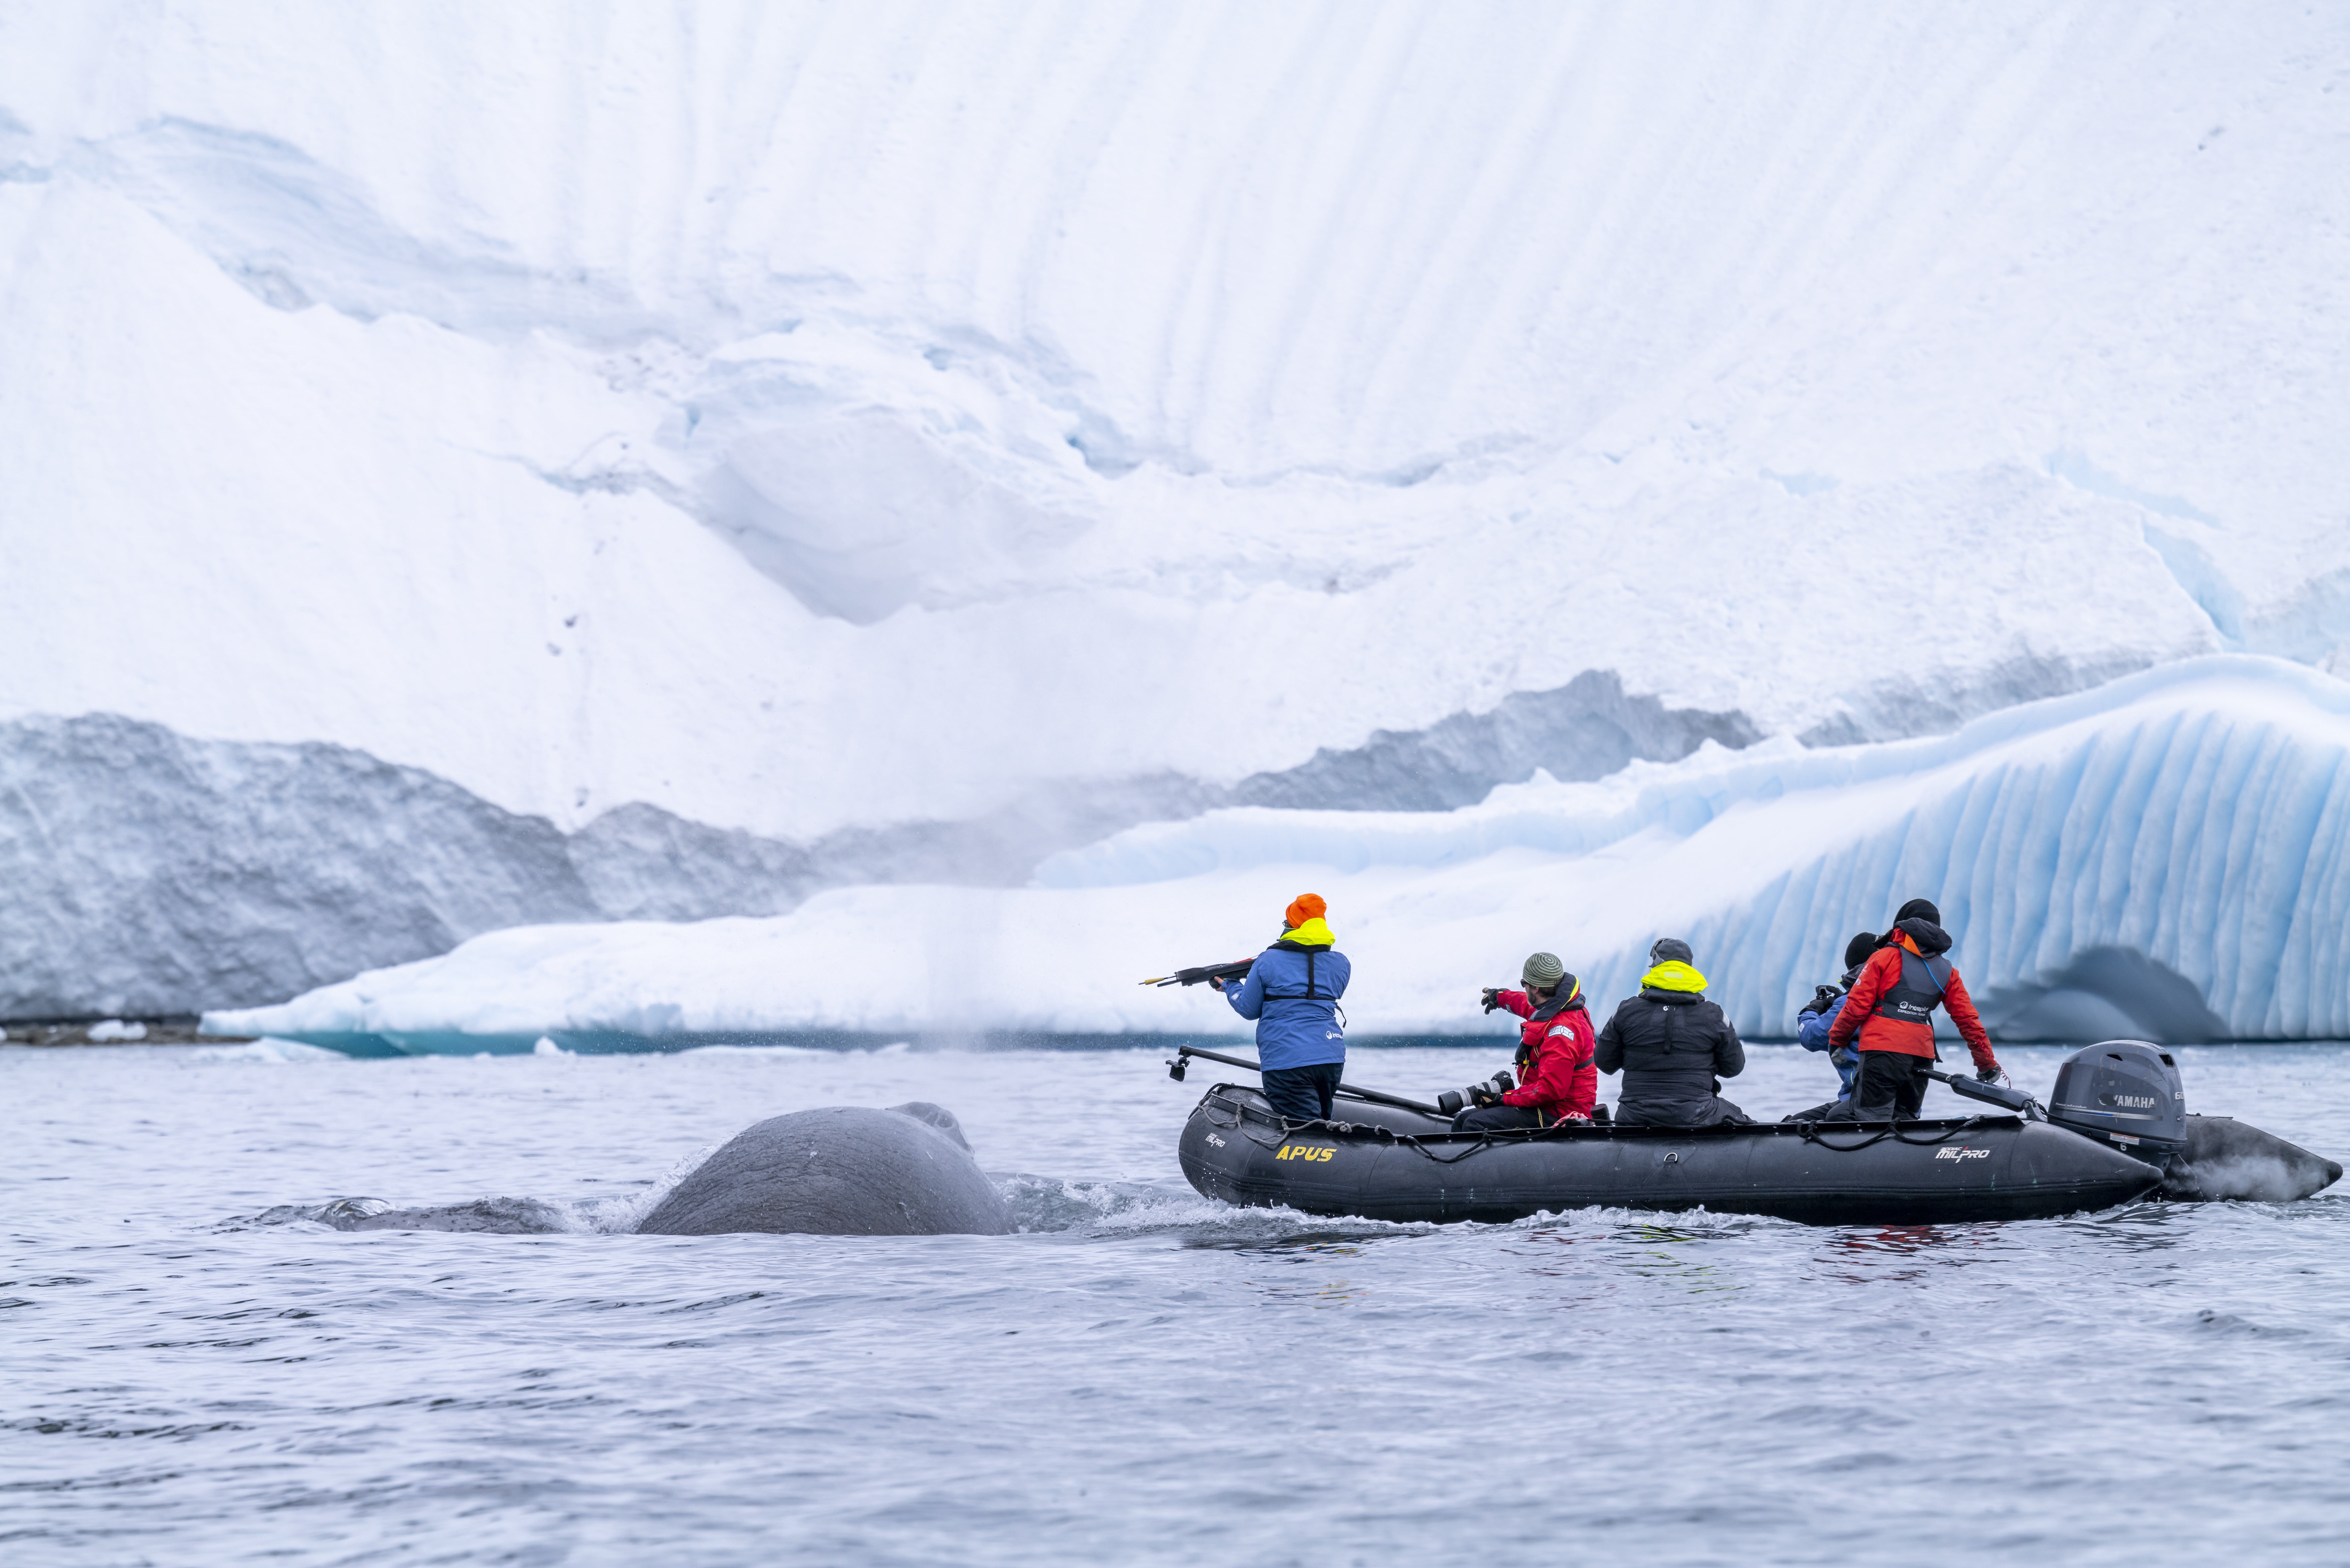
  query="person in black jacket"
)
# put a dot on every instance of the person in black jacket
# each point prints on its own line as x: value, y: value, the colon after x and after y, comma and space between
x: 1673, y: 1048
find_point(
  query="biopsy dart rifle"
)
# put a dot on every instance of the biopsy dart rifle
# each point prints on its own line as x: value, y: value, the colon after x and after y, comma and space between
x: 1235, y: 971
x: 1238, y: 969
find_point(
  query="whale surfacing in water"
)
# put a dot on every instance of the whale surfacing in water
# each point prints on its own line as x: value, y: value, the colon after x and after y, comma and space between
x: 843, y: 1170
x: 2225, y: 1159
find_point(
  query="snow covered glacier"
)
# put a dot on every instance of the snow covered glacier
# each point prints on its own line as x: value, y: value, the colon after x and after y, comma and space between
x: 668, y: 462
x: 2167, y: 856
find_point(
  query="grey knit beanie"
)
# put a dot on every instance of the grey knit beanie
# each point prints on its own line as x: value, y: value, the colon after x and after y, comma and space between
x: 1543, y: 969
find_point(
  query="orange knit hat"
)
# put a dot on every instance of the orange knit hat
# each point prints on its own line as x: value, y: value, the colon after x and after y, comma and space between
x: 1304, y: 907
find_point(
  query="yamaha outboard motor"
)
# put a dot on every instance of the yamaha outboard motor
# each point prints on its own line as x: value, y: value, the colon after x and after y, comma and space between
x: 2123, y: 1092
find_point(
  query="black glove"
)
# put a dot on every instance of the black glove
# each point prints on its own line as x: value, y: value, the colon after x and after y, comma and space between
x: 1987, y: 1074
x: 1492, y: 998
x: 1822, y: 998
x: 1482, y: 1095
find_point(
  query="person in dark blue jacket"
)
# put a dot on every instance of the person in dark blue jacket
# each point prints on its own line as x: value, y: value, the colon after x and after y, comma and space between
x: 1292, y: 990
x: 1819, y: 1016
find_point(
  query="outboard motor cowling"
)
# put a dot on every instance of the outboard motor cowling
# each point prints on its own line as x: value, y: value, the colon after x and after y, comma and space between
x: 2126, y: 1092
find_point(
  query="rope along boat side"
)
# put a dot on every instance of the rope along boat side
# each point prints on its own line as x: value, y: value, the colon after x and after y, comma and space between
x: 1387, y: 1163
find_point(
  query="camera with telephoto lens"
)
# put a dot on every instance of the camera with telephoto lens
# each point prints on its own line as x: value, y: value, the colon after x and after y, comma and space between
x: 1452, y: 1101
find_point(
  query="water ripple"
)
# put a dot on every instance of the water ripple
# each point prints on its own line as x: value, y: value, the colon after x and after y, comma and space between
x: 210, y: 1346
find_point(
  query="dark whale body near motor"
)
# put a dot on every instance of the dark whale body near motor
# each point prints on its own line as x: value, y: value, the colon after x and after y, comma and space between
x: 843, y: 1170
x: 2223, y: 1159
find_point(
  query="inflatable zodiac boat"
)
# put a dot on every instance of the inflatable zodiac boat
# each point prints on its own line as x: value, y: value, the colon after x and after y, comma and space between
x: 2116, y: 1129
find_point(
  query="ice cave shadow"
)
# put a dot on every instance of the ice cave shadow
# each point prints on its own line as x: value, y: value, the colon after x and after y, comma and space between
x: 2104, y: 993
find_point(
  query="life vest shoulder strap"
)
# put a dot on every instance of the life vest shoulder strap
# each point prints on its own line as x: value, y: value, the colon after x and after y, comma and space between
x: 1312, y: 991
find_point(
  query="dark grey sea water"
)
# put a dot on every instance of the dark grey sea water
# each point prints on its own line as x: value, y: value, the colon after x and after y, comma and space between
x: 190, y: 1373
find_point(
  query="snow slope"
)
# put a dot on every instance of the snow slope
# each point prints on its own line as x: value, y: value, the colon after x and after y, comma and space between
x: 2168, y: 857
x: 742, y: 409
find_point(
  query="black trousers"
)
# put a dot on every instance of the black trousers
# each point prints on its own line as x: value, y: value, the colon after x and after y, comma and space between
x: 1497, y: 1118
x: 1889, y: 1085
x: 1303, y: 1094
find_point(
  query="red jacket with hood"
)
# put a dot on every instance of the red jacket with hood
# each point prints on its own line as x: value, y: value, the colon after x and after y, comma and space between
x: 1881, y: 975
x: 1557, y: 1077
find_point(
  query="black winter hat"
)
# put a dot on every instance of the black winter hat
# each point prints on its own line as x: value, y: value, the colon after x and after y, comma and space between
x: 1671, y: 950
x: 1918, y: 909
x: 1857, y: 952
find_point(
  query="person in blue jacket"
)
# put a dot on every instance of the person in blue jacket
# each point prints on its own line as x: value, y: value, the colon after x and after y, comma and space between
x: 1292, y: 990
x: 1819, y: 1016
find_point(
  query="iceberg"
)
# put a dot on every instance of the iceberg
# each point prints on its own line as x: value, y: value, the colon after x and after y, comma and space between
x: 2170, y: 852
x: 155, y: 874
x: 666, y: 470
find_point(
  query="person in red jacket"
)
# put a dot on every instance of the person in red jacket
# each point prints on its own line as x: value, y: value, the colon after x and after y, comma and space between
x: 1558, y: 1081
x: 1889, y: 1013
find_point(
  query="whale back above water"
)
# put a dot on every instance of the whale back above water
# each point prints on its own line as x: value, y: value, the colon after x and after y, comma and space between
x: 486, y: 1216
x: 2225, y: 1159
x: 842, y: 1170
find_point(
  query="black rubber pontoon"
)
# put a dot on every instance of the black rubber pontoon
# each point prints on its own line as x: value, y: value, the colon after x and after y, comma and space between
x: 1382, y: 1162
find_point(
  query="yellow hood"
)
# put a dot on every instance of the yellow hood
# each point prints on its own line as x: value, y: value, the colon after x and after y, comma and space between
x: 1313, y: 933
x: 1674, y: 975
